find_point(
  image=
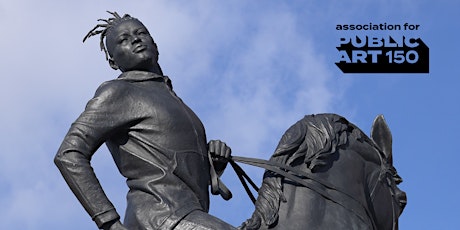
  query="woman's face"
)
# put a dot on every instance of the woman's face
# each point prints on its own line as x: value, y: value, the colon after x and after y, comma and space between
x: 131, y: 47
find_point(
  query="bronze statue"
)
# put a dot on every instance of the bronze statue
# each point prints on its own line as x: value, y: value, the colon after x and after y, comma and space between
x: 156, y: 141
x: 325, y: 173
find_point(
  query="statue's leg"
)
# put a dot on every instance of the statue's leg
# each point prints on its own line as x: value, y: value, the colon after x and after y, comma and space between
x: 199, y: 220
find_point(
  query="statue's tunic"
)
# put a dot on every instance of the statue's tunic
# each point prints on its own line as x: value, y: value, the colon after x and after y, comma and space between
x: 157, y: 143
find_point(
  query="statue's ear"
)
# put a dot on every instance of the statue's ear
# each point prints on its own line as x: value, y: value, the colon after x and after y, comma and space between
x: 381, y: 135
x: 113, y: 64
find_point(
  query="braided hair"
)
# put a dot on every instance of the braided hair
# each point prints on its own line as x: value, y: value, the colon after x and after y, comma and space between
x: 103, y: 29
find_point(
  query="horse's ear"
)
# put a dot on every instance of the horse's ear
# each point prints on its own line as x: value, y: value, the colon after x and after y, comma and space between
x: 381, y: 135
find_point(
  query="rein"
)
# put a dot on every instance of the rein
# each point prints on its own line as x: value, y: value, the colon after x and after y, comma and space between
x: 314, y: 183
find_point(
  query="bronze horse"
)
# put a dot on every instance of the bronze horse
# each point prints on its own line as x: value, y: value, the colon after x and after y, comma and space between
x: 327, y: 174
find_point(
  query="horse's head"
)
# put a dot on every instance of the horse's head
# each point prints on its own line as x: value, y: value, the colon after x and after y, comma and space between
x: 331, y: 175
x: 385, y: 189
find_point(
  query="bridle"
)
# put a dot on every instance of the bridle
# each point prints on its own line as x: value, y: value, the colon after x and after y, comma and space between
x: 387, y: 177
x: 313, y: 182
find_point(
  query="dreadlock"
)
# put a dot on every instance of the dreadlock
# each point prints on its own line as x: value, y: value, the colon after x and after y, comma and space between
x: 103, y: 29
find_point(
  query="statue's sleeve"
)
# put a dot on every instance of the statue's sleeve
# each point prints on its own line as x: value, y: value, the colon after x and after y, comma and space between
x: 102, y: 117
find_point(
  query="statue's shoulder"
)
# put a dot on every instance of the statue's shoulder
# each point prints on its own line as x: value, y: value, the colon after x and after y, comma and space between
x: 108, y: 94
x: 112, y: 88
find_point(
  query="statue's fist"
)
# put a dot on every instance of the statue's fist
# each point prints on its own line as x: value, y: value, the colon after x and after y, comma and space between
x: 218, y: 149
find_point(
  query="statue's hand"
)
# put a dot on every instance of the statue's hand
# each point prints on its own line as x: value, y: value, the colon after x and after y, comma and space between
x: 117, y: 225
x: 220, y: 154
x: 219, y: 149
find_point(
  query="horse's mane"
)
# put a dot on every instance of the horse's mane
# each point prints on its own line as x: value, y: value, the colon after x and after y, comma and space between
x: 312, y: 141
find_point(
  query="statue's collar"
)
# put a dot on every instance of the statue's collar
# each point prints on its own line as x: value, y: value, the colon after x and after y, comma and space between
x: 137, y: 75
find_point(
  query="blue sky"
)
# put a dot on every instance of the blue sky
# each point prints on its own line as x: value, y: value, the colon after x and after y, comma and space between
x: 249, y: 69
